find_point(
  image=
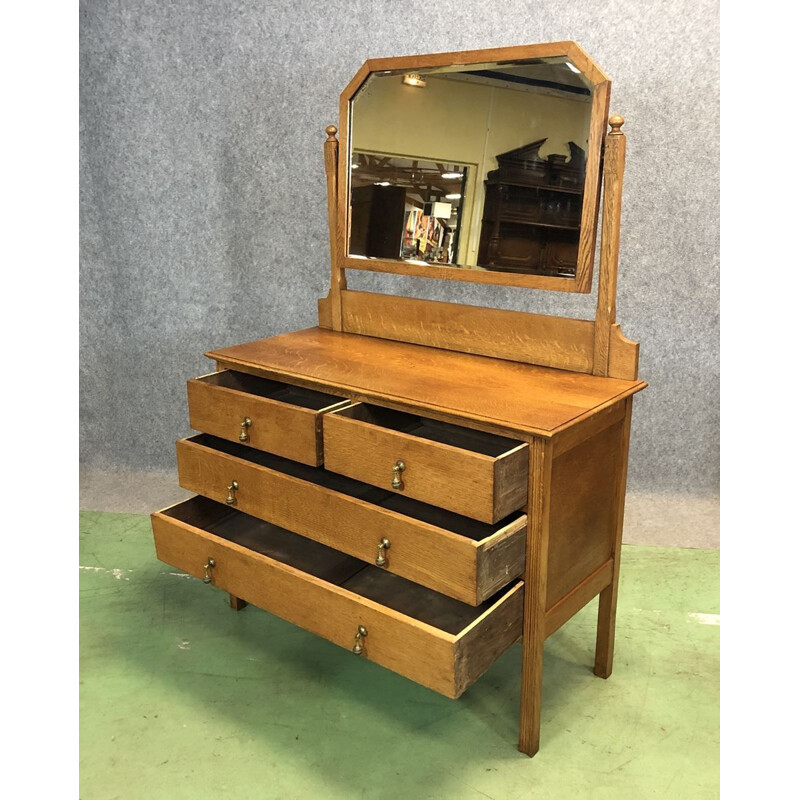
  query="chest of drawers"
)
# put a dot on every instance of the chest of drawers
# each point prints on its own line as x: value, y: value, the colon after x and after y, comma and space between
x: 426, y: 483
x: 420, y: 569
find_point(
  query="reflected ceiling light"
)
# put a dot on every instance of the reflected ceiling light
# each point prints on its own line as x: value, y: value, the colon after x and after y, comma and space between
x: 413, y: 79
x: 354, y: 166
x: 452, y: 175
x: 382, y: 183
x: 572, y: 67
x: 452, y: 197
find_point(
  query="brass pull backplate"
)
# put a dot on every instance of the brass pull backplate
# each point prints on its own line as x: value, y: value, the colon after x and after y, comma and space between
x: 209, y: 565
x: 244, y: 436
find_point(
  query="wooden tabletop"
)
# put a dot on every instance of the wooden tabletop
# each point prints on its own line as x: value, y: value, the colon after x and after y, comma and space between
x: 507, y: 394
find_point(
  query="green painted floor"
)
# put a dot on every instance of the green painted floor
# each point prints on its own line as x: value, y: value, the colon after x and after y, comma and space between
x: 181, y: 697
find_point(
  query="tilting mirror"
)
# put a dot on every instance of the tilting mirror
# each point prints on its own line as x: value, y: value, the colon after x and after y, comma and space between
x: 482, y: 167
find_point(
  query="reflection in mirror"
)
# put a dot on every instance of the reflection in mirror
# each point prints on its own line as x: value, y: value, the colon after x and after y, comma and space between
x: 405, y: 208
x: 478, y: 167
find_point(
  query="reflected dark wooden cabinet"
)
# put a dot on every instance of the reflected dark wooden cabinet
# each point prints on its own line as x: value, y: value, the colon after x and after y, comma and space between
x: 376, y: 225
x: 532, y: 213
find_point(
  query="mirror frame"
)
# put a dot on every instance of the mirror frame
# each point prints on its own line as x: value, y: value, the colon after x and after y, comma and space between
x: 582, y: 281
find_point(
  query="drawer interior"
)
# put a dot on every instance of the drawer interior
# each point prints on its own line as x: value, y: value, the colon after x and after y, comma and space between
x: 487, y: 444
x: 273, y: 390
x: 330, y: 565
x: 448, y: 520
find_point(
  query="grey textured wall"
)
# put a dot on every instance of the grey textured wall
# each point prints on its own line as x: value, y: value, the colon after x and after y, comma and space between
x: 203, y: 198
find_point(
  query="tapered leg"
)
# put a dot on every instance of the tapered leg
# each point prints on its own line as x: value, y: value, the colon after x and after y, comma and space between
x: 607, y: 610
x: 237, y: 604
x: 533, y: 632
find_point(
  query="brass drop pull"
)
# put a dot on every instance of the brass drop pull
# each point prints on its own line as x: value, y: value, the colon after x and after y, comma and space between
x: 358, y: 647
x: 210, y: 564
x: 231, y: 499
x: 244, y: 436
x: 397, y: 481
x: 380, y: 561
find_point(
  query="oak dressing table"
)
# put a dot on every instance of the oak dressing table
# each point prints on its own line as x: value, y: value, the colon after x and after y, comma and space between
x: 422, y: 482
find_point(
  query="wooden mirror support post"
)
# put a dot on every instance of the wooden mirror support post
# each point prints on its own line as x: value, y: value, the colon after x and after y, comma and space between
x: 338, y: 276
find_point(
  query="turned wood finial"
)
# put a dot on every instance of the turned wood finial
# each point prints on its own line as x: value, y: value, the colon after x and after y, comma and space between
x: 616, y: 122
x: 331, y: 131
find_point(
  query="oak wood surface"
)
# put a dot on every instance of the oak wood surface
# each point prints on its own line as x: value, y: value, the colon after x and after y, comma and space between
x: 579, y: 431
x: 582, y: 511
x: 480, y: 486
x: 607, y: 607
x: 536, y: 578
x: 434, y: 556
x: 275, y: 426
x: 515, y: 335
x: 572, y: 602
x: 338, y: 276
x: 509, y: 395
x: 399, y: 642
x: 613, y: 170
x: 560, y: 342
x: 623, y: 355
x: 476, y: 651
x: 511, y: 480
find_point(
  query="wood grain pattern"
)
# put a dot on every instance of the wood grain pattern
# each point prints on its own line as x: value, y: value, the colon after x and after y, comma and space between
x: 324, y: 311
x: 607, y: 608
x: 613, y: 169
x: 476, y: 650
x: 578, y: 597
x: 396, y: 641
x: 511, y: 396
x: 536, y: 579
x: 501, y: 558
x: 623, y: 355
x: 591, y: 189
x: 599, y: 114
x: 582, y: 511
x: 422, y: 552
x: 514, y: 335
x: 559, y: 342
x: 338, y: 277
x: 276, y: 427
x: 511, y: 481
x: 473, y: 484
x: 572, y: 435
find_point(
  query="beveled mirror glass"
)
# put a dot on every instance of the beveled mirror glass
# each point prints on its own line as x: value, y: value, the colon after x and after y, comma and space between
x: 476, y: 166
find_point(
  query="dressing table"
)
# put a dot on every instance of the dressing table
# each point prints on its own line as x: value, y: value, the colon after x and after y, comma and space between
x: 425, y: 483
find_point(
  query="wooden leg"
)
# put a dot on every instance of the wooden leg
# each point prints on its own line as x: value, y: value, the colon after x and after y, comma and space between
x: 606, y: 619
x: 237, y: 604
x: 533, y: 629
x: 607, y: 611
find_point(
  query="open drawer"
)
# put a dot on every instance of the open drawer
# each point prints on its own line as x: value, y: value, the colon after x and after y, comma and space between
x: 477, y: 474
x: 452, y: 554
x: 425, y: 636
x: 261, y: 413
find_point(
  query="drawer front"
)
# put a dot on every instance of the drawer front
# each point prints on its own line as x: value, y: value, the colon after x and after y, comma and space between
x: 460, y: 567
x: 444, y: 662
x: 483, y: 487
x: 266, y: 423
